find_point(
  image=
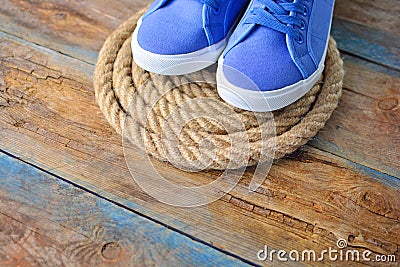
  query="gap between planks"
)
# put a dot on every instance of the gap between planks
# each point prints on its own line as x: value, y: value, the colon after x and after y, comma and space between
x: 233, y: 201
x: 112, y: 234
x: 315, y: 142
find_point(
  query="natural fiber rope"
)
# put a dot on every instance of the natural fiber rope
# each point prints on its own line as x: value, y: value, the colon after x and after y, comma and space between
x: 124, y: 89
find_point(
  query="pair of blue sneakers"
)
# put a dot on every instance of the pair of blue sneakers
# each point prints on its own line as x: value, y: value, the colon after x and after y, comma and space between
x: 270, y: 52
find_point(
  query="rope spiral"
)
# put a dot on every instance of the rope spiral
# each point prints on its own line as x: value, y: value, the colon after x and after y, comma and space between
x: 168, y: 129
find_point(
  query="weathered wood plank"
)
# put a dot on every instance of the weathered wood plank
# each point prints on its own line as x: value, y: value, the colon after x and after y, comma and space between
x: 369, y: 29
x: 79, y: 28
x: 378, y: 111
x: 45, y: 221
x: 85, y: 25
x: 374, y: 45
x: 49, y: 118
x: 76, y: 28
x: 365, y: 127
x: 379, y: 15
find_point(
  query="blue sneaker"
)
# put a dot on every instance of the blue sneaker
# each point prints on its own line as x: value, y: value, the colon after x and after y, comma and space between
x: 176, y: 37
x: 276, y: 54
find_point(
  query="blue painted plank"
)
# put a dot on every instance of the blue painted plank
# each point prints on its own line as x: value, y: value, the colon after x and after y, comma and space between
x: 68, y: 38
x: 372, y: 66
x: 371, y: 44
x: 81, y: 227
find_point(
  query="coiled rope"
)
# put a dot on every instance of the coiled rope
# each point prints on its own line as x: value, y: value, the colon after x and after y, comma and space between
x: 124, y: 90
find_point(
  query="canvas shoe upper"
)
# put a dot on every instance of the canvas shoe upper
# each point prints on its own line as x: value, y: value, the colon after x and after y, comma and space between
x: 276, y: 54
x: 182, y: 36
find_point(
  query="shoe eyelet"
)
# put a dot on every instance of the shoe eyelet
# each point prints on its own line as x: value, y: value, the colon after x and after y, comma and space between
x: 217, y: 11
x: 300, y: 40
x: 303, y: 25
x: 305, y: 12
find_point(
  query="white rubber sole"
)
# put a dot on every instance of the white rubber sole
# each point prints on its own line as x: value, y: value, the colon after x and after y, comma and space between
x: 175, y: 64
x: 264, y: 101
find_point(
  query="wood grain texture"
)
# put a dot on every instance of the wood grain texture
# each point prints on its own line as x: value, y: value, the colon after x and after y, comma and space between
x: 379, y: 15
x: 365, y: 127
x: 58, y: 224
x: 373, y: 45
x: 369, y: 29
x: 76, y: 28
x: 83, y: 26
x: 50, y: 119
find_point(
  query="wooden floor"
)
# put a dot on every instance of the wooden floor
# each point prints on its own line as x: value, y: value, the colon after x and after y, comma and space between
x: 66, y: 196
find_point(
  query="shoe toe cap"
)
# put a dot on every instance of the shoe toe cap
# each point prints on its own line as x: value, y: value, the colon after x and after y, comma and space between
x: 165, y: 34
x: 262, y: 64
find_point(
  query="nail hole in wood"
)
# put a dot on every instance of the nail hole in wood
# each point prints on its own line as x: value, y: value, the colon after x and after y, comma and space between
x: 111, y: 251
x: 388, y: 103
